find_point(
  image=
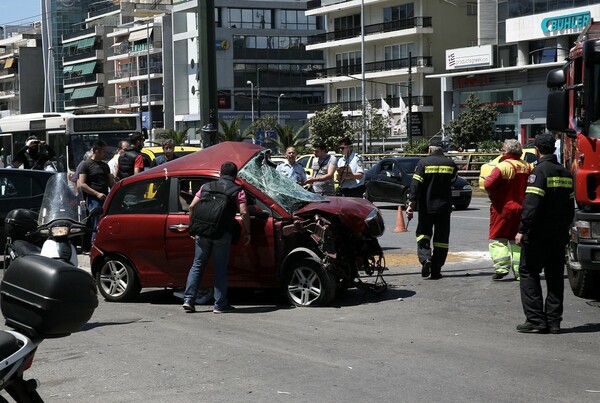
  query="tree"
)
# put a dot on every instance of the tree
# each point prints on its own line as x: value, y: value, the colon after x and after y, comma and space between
x: 329, y: 126
x: 473, y: 125
x: 178, y: 138
x: 231, y: 132
x: 265, y: 123
x: 287, y: 137
x: 379, y: 129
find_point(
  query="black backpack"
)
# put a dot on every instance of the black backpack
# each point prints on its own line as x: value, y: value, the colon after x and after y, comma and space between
x: 215, y: 212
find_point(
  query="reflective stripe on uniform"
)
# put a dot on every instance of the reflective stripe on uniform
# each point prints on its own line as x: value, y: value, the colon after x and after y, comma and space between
x: 439, y: 169
x: 440, y: 245
x: 420, y: 237
x: 559, y: 182
x: 534, y: 190
x: 418, y: 178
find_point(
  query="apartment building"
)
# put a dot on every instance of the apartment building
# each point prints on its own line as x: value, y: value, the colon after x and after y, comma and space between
x: 21, y: 73
x: 403, y: 42
x: 262, y: 62
x: 520, y: 42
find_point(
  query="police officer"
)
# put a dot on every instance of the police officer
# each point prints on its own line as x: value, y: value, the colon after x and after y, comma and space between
x: 350, y: 171
x: 548, y: 211
x: 431, y: 193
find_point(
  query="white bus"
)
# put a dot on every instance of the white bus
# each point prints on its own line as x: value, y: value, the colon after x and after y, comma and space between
x: 69, y: 135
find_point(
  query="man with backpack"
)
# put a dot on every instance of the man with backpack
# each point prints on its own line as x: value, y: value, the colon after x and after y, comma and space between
x: 213, y: 225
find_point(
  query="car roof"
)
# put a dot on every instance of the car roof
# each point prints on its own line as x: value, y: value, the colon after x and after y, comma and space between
x: 211, y: 158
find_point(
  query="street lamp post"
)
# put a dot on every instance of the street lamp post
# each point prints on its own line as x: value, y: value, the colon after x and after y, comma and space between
x: 251, y: 96
x: 279, y: 106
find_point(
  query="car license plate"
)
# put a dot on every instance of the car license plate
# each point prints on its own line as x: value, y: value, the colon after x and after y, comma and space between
x: 455, y: 193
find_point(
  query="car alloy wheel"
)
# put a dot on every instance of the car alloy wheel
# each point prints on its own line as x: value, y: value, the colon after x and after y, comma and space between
x: 117, y: 281
x: 309, y: 284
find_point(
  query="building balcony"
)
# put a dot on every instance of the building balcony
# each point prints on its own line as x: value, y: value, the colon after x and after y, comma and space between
x: 350, y: 72
x: 133, y: 101
x: 77, y: 34
x: 88, y: 102
x: 85, y: 79
x: 419, y: 102
x: 415, y: 23
x: 91, y: 54
x: 8, y: 94
x: 136, y: 74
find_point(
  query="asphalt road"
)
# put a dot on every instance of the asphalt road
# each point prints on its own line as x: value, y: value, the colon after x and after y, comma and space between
x: 451, y: 340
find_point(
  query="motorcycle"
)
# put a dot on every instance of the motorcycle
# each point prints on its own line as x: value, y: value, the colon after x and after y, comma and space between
x: 40, y: 298
x: 62, y: 216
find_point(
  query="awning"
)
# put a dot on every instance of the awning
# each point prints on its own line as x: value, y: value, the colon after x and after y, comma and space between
x: 68, y: 91
x: 9, y: 62
x: 88, y: 68
x: 86, y: 92
x: 86, y: 43
x: 139, y: 35
x: 84, y: 68
x: 115, y: 45
x: 67, y: 69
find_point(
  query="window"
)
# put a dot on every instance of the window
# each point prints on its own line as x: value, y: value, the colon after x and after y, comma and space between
x: 295, y: 19
x: 401, y: 12
x: 144, y: 197
x: 348, y: 63
x: 255, y: 18
x: 471, y: 8
x: 350, y: 94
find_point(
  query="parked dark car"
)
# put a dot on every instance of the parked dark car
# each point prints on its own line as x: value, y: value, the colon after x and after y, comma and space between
x: 306, y: 244
x: 20, y: 188
x: 389, y: 181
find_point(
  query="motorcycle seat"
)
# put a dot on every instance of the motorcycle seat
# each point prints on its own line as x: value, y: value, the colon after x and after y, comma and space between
x: 9, y: 344
x: 24, y: 248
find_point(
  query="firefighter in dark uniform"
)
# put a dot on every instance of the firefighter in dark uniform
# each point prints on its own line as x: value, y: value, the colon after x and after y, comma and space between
x: 431, y: 194
x: 548, y: 212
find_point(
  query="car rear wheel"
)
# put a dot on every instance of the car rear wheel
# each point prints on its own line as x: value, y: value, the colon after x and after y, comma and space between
x: 461, y: 206
x: 117, y: 281
x: 307, y: 283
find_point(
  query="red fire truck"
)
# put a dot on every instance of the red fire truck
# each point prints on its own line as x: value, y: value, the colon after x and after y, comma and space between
x: 574, y: 111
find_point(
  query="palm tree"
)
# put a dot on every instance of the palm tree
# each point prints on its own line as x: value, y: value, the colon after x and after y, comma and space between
x: 177, y: 137
x: 231, y: 132
x: 287, y: 137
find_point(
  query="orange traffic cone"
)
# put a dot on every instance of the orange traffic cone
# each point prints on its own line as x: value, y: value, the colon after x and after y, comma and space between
x: 400, y: 227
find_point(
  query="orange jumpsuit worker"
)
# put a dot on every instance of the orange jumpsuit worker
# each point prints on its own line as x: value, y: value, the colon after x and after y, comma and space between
x: 506, y: 188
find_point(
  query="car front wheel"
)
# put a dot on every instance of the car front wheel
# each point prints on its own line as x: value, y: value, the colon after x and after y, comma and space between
x: 307, y: 283
x: 117, y: 281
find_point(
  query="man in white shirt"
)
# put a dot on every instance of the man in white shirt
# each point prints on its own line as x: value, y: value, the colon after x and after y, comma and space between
x: 291, y: 168
x: 350, y: 171
x: 112, y: 164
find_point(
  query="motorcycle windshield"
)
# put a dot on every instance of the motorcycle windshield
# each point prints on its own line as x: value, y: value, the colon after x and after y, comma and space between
x: 61, y: 201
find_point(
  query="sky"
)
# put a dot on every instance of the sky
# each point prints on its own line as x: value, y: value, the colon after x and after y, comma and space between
x: 11, y: 11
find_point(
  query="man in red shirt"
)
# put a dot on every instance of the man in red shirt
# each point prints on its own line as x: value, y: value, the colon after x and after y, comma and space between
x: 506, y: 188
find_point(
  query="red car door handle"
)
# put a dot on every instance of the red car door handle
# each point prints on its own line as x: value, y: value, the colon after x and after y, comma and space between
x: 179, y: 227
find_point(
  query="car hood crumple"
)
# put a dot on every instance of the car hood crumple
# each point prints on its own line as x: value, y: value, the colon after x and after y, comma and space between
x: 351, y: 211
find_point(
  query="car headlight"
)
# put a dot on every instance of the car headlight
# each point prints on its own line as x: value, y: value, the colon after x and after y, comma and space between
x: 587, y: 229
x: 466, y: 187
x: 374, y: 223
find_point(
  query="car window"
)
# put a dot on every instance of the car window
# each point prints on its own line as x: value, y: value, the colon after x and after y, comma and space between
x: 387, y: 167
x: 18, y: 186
x: 187, y: 189
x: 303, y: 161
x: 144, y: 197
x: 408, y: 165
x: 529, y: 157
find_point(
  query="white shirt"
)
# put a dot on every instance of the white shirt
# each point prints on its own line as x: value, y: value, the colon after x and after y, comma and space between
x: 295, y: 172
x: 112, y: 164
x: 355, y: 164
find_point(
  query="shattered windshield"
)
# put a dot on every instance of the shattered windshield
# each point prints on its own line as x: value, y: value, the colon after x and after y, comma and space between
x: 262, y: 175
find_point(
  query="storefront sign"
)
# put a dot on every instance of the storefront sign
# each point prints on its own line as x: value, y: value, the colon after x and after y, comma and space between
x: 474, y: 56
x: 563, y: 22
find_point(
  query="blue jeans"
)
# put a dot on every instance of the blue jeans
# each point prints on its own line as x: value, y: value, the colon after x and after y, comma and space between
x: 93, y: 202
x: 219, y: 249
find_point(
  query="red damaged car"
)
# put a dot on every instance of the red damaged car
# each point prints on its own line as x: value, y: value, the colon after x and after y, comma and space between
x: 306, y: 244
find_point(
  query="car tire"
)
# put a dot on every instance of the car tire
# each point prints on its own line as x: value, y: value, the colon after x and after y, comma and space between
x: 461, y: 206
x: 117, y: 281
x: 584, y: 283
x: 368, y: 196
x: 307, y: 283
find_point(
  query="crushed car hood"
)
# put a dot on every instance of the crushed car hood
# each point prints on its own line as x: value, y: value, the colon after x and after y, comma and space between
x: 352, y: 211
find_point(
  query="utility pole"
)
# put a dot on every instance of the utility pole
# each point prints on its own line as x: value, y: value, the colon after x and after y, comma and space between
x: 409, y: 117
x: 258, y: 92
x: 207, y: 73
x: 362, y: 65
